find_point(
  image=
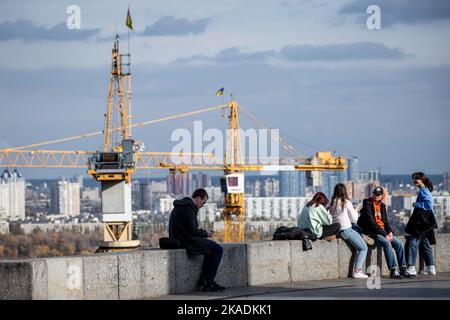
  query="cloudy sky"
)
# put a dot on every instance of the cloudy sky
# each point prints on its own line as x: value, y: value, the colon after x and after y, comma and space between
x: 310, y: 68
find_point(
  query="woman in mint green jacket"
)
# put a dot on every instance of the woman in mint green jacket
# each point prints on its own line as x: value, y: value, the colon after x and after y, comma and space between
x: 315, y: 217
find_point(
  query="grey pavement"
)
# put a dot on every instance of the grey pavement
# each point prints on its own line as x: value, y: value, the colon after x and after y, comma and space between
x: 423, y: 287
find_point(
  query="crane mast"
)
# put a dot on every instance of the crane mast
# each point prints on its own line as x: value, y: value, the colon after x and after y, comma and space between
x: 232, y: 182
x: 118, y: 113
x: 115, y: 165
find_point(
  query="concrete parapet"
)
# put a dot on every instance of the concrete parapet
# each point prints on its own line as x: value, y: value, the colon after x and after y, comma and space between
x: 101, y: 276
x: 158, y: 272
x: 130, y: 282
x: 319, y: 263
x: 64, y: 278
x: 233, y: 269
x: 16, y: 280
x: 188, y: 270
x: 442, y: 253
x: 155, y: 272
x: 268, y: 262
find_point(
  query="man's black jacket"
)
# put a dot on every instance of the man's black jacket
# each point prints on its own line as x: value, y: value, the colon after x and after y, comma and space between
x: 183, y: 225
x: 421, y: 225
x: 367, y: 222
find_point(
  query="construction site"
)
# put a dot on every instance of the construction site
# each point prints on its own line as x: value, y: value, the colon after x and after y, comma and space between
x: 123, y: 154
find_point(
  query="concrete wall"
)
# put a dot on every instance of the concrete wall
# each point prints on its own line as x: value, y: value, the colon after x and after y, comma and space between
x: 152, y: 273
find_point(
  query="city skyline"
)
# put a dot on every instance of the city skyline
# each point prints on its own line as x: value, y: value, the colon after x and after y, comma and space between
x: 312, y: 69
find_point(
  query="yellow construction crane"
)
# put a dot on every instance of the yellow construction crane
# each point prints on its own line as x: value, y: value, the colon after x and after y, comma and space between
x: 122, y: 155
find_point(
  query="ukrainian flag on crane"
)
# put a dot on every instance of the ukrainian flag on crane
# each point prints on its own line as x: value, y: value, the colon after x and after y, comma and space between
x: 219, y: 92
x: 129, y: 22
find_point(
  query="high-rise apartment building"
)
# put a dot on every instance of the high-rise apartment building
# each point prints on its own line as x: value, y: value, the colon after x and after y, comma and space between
x: 289, y: 184
x: 200, y: 180
x: 353, y: 169
x: 65, y: 198
x: 279, y: 208
x: 179, y: 184
x: 366, y: 176
x: 12, y: 196
x: 447, y: 181
x: 141, y: 196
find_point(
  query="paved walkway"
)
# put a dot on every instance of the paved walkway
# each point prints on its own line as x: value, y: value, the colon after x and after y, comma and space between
x: 422, y: 287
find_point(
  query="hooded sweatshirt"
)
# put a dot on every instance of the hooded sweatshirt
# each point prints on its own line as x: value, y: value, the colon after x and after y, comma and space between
x: 183, y: 225
x: 314, y: 218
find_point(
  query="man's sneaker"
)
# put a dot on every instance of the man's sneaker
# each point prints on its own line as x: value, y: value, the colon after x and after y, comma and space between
x: 368, y: 240
x: 423, y: 271
x: 213, y: 286
x: 358, y: 274
x: 395, y: 274
x: 431, y: 270
x: 412, y: 270
x: 404, y: 273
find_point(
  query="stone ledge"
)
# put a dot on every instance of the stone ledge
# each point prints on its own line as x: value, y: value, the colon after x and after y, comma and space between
x: 154, y: 273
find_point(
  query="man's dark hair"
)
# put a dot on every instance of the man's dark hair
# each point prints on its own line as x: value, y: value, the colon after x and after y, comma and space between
x: 200, y: 193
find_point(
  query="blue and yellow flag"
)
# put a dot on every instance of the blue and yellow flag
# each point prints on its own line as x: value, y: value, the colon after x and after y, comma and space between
x: 128, y: 22
x: 219, y: 92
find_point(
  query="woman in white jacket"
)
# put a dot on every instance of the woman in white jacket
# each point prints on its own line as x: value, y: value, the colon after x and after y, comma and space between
x: 342, y: 211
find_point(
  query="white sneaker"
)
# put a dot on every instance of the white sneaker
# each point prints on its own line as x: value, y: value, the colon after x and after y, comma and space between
x: 358, y: 274
x: 412, y: 270
x: 431, y: 270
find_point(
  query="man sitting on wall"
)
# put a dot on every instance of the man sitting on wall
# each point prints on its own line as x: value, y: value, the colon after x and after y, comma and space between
x: 374, y: 222
x: 183, y: 226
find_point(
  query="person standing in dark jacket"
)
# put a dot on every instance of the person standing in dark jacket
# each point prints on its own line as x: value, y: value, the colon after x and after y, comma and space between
x: 421, y: 226
x: 183, y: 226
x: 374, y: 222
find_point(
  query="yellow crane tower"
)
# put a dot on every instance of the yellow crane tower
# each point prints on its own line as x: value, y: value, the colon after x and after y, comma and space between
x: 122, y: 155
x: 232, y: 182
x: 115, y: 165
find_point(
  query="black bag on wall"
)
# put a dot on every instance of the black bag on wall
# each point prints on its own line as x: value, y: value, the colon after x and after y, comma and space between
x: 169, y: 243
x: 294, y: 233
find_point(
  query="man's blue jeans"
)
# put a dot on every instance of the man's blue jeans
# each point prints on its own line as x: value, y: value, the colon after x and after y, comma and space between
x: 412, y: 245
x: 212, y: 260
x: 387, y: 248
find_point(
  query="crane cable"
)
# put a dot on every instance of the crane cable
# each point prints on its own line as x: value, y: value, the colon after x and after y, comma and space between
x: 245, y: 112
x: 288, y: 147
x: 139, y: 124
